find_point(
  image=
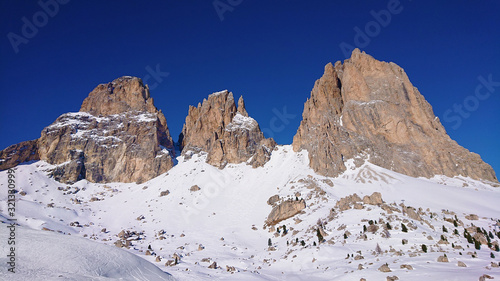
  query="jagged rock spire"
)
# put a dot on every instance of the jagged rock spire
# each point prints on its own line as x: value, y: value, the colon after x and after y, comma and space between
x: 241, y: 107
x: 225, y: 132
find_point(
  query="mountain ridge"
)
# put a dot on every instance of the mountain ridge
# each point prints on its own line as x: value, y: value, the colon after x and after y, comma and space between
x: 360, y: 109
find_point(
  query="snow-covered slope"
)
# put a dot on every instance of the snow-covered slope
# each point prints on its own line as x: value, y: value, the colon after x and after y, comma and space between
x: 44, y: 255
x: 224, y: 221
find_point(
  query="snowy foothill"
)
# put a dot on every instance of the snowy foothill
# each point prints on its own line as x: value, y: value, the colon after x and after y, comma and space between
x: 46, y: 255
x: 213, y: 223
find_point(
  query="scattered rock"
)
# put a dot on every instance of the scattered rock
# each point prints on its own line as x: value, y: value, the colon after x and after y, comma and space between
x: 194, y: 188
x: 119, y: 244
x: 230, y: 269
x: 372, y: 228
x: 410, y: 212
x: 123, y: 234
x: 384, y: 268
x: 392, y: 278
x: 170, y: 263
x: 461, y: 264
x: 164, y: 193
x: 358, y: 257
x: 328, y: 182
x: 472, y: 217
x: 442, y: 259
x: 273, y: 200
x: 346, y: 202
x: 407, y: 266
x: 213, y: 265
x: 484, y: 277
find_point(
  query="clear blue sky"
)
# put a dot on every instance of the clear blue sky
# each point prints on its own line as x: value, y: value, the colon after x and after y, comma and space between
x: 271, y: 52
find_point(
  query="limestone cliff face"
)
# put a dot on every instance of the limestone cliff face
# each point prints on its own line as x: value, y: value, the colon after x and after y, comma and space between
x: 225, y: 132
x: 365, y: 108
x: 19, y: 153
x: 118, y: 136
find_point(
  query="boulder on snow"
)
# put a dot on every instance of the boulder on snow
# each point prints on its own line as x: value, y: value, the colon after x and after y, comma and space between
x: 442, y: 259
x: 285, y: 210
x: 384, y: 268
x: 213, y: 265
x: 407, y: 266
x: 194, y: 188
x: 273, y: 199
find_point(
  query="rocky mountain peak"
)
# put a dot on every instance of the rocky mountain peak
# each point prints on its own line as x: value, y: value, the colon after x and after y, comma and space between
x: 123, y: 94
x: 225, y: 131
x: 365, y: 109
x: 118, y: 136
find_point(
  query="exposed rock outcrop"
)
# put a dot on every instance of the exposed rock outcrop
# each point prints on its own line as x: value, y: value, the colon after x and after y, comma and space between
x: 369, y: 107
x: 118, y: 136
x: 226, y: 132
x: 285, y: 210
x: 345, y: 203
x: 19, y: 153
